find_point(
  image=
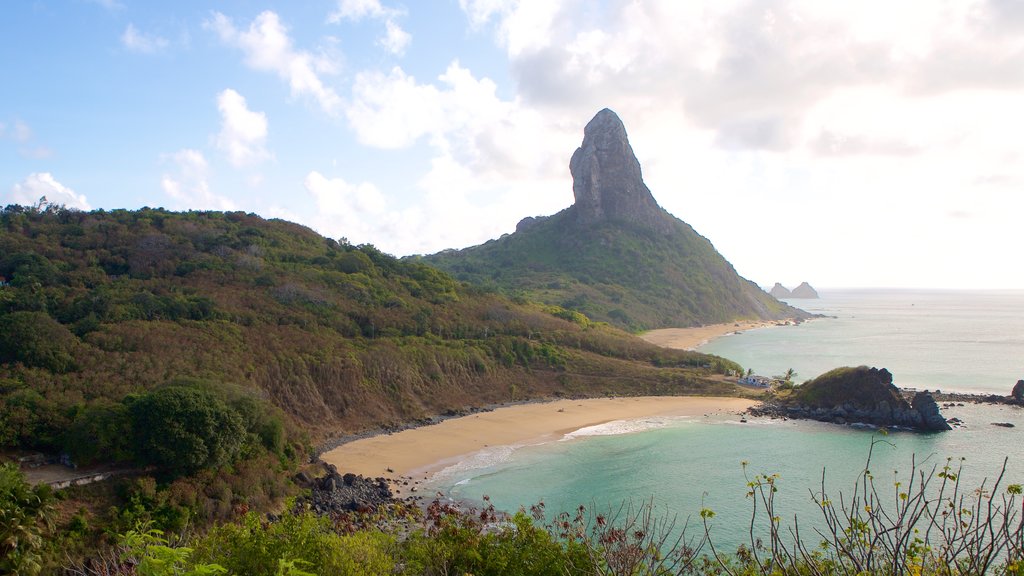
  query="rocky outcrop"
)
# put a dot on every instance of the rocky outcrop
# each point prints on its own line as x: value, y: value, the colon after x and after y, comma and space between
x: 858, y: 395
x: 606, y: 178
x: 1018, y: 391
x: 336, y: 492
x: 529, y: 222
x: 931, y: 418
x: 804, y: 290
x: 780, y: 291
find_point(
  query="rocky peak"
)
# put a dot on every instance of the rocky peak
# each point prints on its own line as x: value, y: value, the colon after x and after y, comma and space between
x: 606, y: 179
x: 804, y: 290
x: 780, y: 291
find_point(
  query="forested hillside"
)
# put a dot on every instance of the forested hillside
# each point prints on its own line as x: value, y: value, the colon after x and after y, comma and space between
x: 99, y: 309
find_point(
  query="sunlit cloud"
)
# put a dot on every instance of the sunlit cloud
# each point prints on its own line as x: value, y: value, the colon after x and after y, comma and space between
x: 243, y: 133
x: 268, y: 47
x: 39, y: 185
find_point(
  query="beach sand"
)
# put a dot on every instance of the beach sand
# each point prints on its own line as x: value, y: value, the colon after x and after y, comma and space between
x: 691, y: 338
x: 422, y: 451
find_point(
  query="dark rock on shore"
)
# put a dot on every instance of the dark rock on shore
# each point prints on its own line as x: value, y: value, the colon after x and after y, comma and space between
x: 1018, y: 391
x: 335, y: 492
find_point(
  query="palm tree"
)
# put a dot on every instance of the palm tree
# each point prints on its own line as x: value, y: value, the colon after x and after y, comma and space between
x: 789, y: 375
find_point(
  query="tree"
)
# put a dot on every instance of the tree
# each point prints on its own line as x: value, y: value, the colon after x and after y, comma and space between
x: 37, y: 340
x: 182, y: 429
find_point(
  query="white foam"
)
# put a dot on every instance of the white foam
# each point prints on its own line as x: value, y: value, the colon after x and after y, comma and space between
x: 617, y: 427
x: 479, y: 460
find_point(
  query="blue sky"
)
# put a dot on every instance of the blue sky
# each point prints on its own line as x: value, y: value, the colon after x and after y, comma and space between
x: 847, y: 144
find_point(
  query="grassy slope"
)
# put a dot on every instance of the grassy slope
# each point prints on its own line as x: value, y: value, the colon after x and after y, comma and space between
x: 340, y: 337
x: 627, y: 275
x: 860, y: 386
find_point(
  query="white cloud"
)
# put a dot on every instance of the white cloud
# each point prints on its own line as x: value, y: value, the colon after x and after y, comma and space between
x: 140, y: 42
x: 480, y: 12
x: 243, y: 133
x: 356, y: 10
x: 395, y: 40
x: 268, y: 47
x: 29, y: 191
x: 188, y: 185
x: 358, y: 212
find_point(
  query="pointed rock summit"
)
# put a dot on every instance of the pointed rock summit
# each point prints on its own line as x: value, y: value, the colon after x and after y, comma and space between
x: 615, y: 255
x: 780, y: 291
x: 606, y: 179
x: 804, y: 290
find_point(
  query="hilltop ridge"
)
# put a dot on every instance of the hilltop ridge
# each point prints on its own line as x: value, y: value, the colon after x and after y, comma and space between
x: 615, y: 255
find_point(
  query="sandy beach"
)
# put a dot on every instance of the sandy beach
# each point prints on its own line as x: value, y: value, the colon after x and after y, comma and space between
x: 425, y: 450
x: 691, y: 338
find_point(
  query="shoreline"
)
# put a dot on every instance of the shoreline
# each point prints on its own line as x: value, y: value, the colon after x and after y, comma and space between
x: 695, y: 337
x: 423, y: 451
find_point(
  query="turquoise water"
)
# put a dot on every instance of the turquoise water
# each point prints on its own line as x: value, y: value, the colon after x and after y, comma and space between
x: 684, y: 464
x: 950, y: 340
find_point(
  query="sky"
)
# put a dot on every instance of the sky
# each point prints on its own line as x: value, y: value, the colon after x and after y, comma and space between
x: 847, y: 144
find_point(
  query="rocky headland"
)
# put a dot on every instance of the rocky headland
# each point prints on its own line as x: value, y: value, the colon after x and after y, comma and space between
x: 860, y: 395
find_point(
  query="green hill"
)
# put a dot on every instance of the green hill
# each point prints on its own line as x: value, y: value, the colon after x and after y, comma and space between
x: 615, y: 255
x: 100, y: 311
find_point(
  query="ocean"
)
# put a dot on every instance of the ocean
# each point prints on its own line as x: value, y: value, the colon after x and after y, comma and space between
x: 954, y: 341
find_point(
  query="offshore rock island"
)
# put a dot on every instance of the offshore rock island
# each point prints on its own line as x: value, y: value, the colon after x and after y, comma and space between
x: 858, y: 395
x: 615, y: 255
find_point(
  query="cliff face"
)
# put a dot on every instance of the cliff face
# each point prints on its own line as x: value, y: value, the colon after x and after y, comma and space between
x: 615, y: 255
x: 606, y: 179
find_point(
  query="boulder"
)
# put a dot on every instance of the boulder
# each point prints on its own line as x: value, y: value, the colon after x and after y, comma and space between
x: 931, y: 419
x: 1018, y: 391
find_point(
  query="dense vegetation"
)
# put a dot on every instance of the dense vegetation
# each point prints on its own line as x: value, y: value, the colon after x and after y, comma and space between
x: 859, y: 386
x: 631, y: 276
x: 923, y: 523
x: 213, y: 350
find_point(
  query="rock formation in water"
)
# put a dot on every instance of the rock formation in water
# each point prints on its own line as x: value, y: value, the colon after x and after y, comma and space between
x: 859, y: 395
x: 804, y: 290
x: 780, y: 291
x: 1018, y: 391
